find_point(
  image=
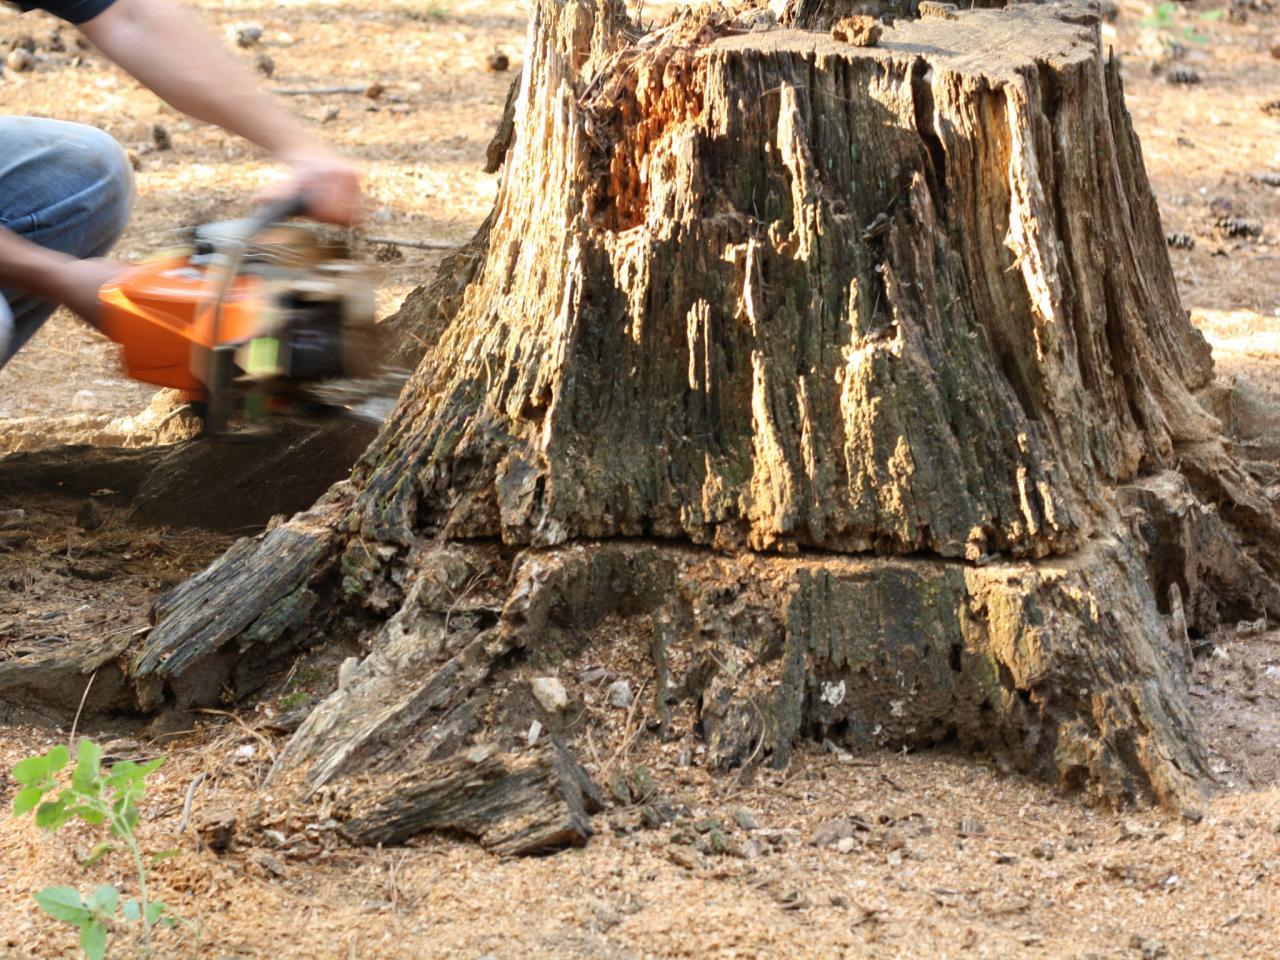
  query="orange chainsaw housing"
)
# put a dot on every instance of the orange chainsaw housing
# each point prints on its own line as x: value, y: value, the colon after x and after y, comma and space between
x: 158, y: 311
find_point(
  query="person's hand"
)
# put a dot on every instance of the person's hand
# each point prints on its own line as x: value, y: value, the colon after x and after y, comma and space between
x: 328, y: 183
x: 77, y: 283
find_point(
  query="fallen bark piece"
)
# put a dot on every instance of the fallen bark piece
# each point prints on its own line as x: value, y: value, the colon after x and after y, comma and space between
x: 514, y: 804
x: 861, y: 31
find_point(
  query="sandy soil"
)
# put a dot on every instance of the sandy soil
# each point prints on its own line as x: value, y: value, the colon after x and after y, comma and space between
x: 948, y: 857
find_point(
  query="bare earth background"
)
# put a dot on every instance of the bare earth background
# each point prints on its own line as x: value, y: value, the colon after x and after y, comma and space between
x: 957, y: 859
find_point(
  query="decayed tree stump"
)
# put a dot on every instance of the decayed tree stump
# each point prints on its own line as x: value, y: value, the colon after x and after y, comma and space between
x: 891, y: 329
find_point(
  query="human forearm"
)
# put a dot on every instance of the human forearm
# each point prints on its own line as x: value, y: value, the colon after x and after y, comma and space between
x: 30, y: 268
x: 53, y: 276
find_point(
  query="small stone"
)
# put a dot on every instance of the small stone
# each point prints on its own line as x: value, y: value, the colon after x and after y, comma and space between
x: 244, y: 35
x: 642, y: 784
x: 374, y: 90
x: 651, y: 817
x: 479, y: 753
x: 831, y: 831
x: 686, y: 857
x: 717, y: 840
x: 160, y: 137
x: 1192, y: 814
x: 216, y: 829
x: 1132, y: 830
x: 619, y: 789
x: 550, y: 693
x: 20, y: 60
x: 1005, y: 859
x: 846, y: 844
x: 535, y: 729
x: 1043, y: 851
x: 84, y: 400
x: 264, y: 65
x: 706, y: 825
x: 498, y: 62
x: 971, y: 828
x: 744, y: 819
x: 268, y: 863
x: 859, y: 31
x: 12, y: 519
x: 1149, y: 947
x: 330, y: 113
x: 618, y: 694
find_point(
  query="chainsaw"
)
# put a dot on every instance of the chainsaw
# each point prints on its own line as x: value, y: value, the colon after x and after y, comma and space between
x: 254, y: 319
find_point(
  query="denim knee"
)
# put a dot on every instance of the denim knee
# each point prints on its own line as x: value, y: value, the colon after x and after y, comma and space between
x: 63, y: 185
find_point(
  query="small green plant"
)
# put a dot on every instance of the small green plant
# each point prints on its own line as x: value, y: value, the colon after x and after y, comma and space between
x: 98, y: 798
x: 1163, y: 18
x: 292, y: 700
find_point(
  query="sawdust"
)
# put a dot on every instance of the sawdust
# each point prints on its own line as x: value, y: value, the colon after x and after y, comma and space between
x: 947, y: 856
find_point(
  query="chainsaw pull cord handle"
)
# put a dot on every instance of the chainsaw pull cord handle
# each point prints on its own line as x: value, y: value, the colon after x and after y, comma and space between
x: 226, y: 265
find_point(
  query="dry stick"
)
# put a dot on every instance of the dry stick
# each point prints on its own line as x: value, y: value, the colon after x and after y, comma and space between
x: 186, y: 804
x: 627, y: 736
x: 416, y: 244
x: 321, y: 91
x: 71, y: 740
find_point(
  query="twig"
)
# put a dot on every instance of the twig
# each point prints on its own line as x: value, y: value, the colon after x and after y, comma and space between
x: 416, y: 244
x: 71, y: 740
x: 321, y: 91
x: 186, y: 804
x: 627, y: 735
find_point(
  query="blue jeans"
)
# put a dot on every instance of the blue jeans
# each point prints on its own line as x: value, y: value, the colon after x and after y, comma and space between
x: 64, y: 186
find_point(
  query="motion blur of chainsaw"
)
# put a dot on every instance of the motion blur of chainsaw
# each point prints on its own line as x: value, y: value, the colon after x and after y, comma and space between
x: 255, y: 318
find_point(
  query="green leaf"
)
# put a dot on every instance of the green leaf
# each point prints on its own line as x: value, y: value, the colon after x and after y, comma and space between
x: 97, y: 853
x: 132, y: 910
x: 58, y: 758
x: 63, y: 903
x: 25, y: 800
x: 93, y: 940
x: 32, y: 770
x: 85, y: 776
x: 104, y: 899
x: 164, y: 855
x: 1211, y: 15
x: 154, y: 909
x: 52, y: 814
x: 90, y: 815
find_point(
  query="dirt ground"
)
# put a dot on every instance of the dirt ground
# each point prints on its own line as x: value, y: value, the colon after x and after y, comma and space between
x: 947, y: 857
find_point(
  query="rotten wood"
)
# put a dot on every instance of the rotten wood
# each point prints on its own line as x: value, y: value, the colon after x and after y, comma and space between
x: 532, y: 802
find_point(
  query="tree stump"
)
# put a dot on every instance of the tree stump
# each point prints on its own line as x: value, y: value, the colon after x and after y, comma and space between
x: 846, y: 384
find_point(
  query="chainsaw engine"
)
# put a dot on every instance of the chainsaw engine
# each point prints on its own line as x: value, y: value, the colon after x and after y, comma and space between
x: 253, y: 319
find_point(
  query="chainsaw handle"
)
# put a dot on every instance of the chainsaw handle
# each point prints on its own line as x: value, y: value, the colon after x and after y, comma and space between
x: 273, y: 211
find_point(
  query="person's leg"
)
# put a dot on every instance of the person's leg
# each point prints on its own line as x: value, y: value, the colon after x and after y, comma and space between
x: 65, y: 186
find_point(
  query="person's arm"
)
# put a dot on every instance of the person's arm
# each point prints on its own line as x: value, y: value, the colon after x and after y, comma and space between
x: 53, y: 276
x: 169, y: 51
